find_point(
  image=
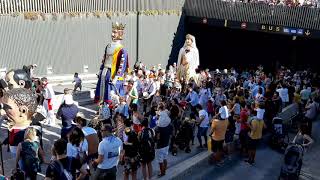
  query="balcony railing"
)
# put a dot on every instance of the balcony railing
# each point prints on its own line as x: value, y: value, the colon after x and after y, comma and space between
x: 58, y: 6
x: 298, y: 17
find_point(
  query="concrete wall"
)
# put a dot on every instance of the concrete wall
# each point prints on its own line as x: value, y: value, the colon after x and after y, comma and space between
x: 68, y: 44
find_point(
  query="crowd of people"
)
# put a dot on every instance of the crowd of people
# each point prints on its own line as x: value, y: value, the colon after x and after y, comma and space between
x: 161, y: 113
x: 290, y: 3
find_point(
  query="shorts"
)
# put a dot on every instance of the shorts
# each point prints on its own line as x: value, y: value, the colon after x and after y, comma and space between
x: 202, y: 131
x: 229, y: 137
x: 253, y: 143
x: 161, y: 154
x: 243, y: 137
x: 147, y: 157
x: 78, y: 85
x: 131, y: 164
x: 217, y: 145
x: 110, y: 174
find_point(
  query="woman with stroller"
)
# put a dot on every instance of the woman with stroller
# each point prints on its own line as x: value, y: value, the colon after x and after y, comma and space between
x: 302, y: 137
x: 175, y: 119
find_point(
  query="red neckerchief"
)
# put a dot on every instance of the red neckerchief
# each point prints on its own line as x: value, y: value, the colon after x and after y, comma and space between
x: 13, y: 132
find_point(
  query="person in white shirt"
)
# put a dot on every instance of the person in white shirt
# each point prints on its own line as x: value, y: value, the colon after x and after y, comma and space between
x: 90, y: 135
x: 149, y: 92
x: 203, y: 123
x: 77, y: 146
x: 283, y: 93
x: 151, y: 88
x: 110, y: 152
x: 49, y: 96
x: 219, y: 97
x: 223, y: 111
x: 114, y: 98
x: 260, y: 112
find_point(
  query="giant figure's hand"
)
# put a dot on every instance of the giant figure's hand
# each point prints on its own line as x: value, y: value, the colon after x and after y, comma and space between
x: 115, y: 79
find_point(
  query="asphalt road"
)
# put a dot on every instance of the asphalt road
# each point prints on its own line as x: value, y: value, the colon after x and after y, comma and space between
x: 267, y: 166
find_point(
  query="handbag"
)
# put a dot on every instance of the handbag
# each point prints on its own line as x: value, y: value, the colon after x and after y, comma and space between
x: 17, y: 174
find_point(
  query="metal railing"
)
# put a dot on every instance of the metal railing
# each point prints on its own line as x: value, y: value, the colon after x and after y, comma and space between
x: 299, y: 17
x: 58, y: 6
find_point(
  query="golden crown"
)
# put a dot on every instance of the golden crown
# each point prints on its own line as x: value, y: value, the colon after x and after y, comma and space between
x: 117, y: 26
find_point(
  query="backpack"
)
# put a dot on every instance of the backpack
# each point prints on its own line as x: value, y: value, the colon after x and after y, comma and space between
x: 64, y: 173
x: 147, y: 141
x: 30, y: 160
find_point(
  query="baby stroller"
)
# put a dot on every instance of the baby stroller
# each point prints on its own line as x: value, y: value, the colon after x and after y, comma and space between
x: 291, y: 168
x: 279, y: 138
x: 186, y: 109
x: 184, y: 136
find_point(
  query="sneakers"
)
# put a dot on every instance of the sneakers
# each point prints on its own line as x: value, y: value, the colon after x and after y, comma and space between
x: 249, y: 162
x: 160, y: 175
x: 220, y: 164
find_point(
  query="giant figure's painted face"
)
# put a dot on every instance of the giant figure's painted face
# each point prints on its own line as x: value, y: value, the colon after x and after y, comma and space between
x: 116, y: 35
x: 188, y: 41
x: 18, y: 78
x: 19, y: 104
x: 10, y: 81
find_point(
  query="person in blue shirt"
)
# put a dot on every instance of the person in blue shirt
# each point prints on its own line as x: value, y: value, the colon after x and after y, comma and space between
x: 67, y: 112
x: 256, y: 88
x: 110, y: 153
x: 192, y: 98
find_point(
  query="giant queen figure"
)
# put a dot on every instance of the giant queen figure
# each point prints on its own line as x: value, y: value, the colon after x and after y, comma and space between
x: 114, y: 65
x: 188, y: 59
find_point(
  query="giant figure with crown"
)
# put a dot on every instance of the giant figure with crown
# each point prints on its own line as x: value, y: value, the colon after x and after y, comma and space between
x: 114, y: 65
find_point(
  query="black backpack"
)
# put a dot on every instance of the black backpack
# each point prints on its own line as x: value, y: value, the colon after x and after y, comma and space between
x: 147, y: 143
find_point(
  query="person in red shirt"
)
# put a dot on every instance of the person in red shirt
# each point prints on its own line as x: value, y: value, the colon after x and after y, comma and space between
x: 210, y: 108
x: 244, y: 128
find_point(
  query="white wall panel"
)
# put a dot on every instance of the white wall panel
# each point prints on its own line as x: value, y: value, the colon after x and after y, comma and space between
x: 69, y: 44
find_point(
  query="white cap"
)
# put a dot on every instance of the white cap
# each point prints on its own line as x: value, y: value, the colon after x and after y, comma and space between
x: 68, y: 99
x: 145, y: 95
